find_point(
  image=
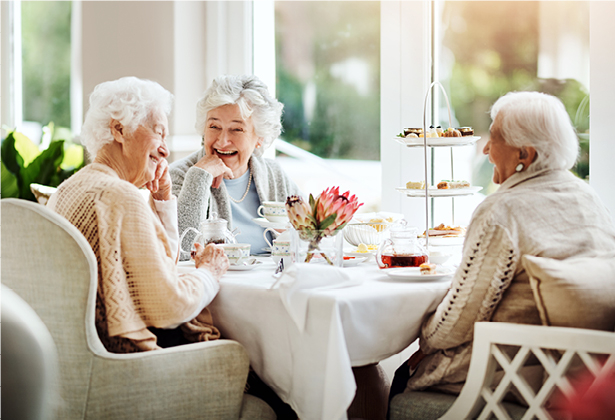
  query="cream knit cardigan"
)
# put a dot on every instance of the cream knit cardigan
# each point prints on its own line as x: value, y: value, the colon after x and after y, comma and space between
x: 138, y: 283
x: 548, y: 213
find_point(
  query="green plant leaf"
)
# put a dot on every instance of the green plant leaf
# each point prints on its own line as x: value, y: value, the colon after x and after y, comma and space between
x: 43, y: 168
x: 9, y: 183
x: 73, y: 156
x: 11, y: 158
x: 26, y: 148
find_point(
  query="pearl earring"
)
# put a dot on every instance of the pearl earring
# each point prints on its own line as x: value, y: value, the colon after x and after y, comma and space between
x: 520, y: 167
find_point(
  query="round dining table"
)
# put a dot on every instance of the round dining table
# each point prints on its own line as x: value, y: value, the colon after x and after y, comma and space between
x: 304, y: 334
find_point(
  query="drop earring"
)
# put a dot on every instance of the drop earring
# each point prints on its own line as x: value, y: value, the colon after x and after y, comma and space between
x: 519, y: 167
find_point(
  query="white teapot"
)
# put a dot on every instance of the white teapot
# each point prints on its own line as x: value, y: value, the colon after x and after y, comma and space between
x: 213, y: 230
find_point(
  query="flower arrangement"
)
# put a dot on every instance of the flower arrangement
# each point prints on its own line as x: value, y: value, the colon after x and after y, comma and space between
x: 325, y: 215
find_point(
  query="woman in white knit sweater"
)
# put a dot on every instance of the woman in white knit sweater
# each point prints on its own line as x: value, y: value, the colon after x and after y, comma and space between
x: 142, y: 300
x: 540, y: 209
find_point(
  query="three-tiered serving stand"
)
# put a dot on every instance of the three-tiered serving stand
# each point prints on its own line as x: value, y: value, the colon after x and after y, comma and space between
x: 432, y: 142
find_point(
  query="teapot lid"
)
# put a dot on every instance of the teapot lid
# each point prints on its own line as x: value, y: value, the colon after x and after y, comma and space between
x: 215, y: 220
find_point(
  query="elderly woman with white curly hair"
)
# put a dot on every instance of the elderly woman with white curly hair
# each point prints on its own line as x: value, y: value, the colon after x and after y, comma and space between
x: 540, y: 209
x: 142, y: 302
x: 237, y: 119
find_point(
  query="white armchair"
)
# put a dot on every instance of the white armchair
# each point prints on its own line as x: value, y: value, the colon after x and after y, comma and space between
x: 560, y: 351
x: 47, y: 262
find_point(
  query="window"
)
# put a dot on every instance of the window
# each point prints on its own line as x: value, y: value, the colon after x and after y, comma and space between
x: 46, y: 64
x: 328, y: 78
x: 544, y: 46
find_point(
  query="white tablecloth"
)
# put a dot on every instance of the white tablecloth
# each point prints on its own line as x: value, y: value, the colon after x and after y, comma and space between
x: 353, y: 326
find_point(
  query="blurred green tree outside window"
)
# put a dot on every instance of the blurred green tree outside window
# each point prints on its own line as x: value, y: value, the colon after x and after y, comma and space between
x: 328, y: 76
x: 46, y: 61
x: 490, y: 48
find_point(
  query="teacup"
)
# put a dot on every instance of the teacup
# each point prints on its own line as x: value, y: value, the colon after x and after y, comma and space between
x: 236, y: 252
x: 273, y: 211
x: 280, y: 248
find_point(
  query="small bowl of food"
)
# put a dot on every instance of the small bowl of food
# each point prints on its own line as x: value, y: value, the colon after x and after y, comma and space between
x: 369, y: 233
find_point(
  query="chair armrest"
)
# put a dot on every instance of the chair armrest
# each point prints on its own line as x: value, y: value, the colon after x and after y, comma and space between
x: 201, y: 380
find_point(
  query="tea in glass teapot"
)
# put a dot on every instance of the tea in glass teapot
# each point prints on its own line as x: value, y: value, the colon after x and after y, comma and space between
x: 402, y: 249
x: 213, y: 230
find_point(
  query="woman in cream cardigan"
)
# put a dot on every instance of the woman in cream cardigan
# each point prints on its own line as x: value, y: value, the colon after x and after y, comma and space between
x: 540, y: 209
x: 238, y: 120
x: 142, y: 302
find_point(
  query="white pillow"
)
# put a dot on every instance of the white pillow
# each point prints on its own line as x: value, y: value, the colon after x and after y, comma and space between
x: 575, y: 292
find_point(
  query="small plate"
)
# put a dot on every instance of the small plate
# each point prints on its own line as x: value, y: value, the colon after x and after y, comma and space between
x: 360, y: 254
x: 414, y: 273
x: 232, y: 267
x: 246, y: 267
x: 353, y: 261
x: 264, y: 223
x: 434, y: 192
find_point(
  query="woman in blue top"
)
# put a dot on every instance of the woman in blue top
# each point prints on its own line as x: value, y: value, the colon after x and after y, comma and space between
x: 238, y: 119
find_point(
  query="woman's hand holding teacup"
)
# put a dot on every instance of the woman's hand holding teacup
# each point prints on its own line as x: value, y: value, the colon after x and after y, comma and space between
x: 216, y: 167
x: 212, y: 258
x: 161, y: 185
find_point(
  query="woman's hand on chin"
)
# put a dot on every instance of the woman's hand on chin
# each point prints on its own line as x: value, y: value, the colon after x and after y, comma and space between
x: 161, y: 185
x: 212, y: 258
x: 216, y: 167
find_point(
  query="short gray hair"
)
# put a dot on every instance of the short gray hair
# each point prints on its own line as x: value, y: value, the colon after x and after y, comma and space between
x: 129, y: 100
x: 538, y: 120
x: 253, y: 99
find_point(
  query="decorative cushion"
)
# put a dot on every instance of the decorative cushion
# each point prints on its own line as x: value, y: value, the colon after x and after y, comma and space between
x: 575, y: 292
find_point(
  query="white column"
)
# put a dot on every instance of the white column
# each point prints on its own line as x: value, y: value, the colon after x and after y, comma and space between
x: 229, y: 38
x: 602, y: 108
x: 12, y: 113
x: 76, y: 75
x: 404, y: 75
x: 190, y: 80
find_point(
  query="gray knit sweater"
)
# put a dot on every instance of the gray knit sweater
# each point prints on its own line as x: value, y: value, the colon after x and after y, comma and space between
x: 196, y: 199
x: 548, y: 213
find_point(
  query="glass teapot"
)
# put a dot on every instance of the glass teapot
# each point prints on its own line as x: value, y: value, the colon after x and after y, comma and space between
x: 212, y: 230
x: 402, y: 249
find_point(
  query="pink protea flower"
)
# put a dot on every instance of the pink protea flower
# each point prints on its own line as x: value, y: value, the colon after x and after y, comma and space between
x: 300, y: 214
x: 323, y: 216
x: 335, y: 210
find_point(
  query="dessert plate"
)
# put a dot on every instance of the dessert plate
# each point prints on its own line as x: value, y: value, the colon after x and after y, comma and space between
x: 414, y: 273
x: 434, y: 192
x: 251, y: 264
x: 353, y: 261
x: 264, y: 223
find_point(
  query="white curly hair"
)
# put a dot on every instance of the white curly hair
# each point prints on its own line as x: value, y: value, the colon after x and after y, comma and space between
x: 538, y: 120
x: 253, y: 99
x: 129, y: 100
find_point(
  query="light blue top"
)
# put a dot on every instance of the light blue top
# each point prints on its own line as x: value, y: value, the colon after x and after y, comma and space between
x: 244, y: 212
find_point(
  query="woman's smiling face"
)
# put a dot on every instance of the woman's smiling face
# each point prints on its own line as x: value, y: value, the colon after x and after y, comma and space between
x: 230, y: 137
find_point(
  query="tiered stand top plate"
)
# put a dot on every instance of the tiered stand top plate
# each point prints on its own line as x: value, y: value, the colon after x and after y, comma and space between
x: 437, y: 141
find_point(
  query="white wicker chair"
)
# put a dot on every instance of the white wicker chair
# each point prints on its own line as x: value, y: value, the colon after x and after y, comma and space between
x: 49, y: 263
x: 556, y: 349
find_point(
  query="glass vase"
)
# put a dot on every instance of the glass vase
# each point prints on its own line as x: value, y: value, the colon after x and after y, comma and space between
x: 316, y: 247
